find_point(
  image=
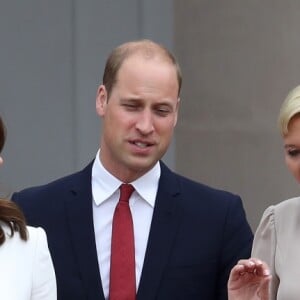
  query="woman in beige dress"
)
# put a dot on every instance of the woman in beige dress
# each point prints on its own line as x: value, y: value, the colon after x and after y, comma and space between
x: 26, y: 269
x: 277, y: 239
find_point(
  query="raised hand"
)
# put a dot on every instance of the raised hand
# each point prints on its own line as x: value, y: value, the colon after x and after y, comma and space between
x: 249, y: 280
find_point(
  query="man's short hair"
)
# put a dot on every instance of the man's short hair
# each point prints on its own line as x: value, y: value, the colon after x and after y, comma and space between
x: 146, y: 48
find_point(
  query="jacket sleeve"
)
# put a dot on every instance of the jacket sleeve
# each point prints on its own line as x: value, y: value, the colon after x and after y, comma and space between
x: 43, y: 281
x: 236, y: 243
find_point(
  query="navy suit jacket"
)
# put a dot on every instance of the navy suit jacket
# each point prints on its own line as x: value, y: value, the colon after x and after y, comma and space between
x: 197, y: 234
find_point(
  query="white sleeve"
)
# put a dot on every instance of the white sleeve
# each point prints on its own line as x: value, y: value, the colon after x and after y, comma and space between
x: 43, y: 281
x: 265, y: 244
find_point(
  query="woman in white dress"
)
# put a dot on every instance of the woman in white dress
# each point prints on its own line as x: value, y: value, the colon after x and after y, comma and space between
x: 26, y: 269
x: 277, y: 238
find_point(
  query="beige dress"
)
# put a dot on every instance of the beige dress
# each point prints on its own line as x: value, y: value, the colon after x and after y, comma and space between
x: 277, y: 242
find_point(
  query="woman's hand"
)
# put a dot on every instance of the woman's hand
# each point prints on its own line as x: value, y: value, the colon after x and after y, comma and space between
x: 249, y: 280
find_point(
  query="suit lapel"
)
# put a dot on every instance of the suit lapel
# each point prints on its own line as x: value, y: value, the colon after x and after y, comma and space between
x: 165, y: 223
x: 80, y: 219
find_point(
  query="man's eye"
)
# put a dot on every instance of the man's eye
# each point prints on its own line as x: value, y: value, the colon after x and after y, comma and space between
x: 130, y: 106
x: 293, y: 152
x: 163, y: 111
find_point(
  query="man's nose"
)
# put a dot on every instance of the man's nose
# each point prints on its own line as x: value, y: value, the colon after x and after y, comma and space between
x: 144, y: 123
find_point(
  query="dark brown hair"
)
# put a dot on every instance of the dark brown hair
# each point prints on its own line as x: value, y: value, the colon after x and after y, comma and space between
x: 147, y: 48
x: 10, y: 214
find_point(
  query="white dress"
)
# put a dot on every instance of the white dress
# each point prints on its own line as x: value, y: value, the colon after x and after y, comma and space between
x: 26, y: 269
x: 277, y: 242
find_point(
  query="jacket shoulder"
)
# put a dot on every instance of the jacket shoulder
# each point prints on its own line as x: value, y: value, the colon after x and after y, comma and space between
x: 196, y: 192
x: 57, y: 186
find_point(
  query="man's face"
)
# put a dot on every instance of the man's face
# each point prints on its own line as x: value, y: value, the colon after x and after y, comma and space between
x: 292, y: 147
x: 139, y: 117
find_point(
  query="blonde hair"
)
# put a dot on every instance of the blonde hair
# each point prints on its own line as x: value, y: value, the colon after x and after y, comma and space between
x: 289, y: 109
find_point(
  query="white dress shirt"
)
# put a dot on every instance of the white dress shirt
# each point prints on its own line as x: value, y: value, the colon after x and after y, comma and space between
x: 105, y: 190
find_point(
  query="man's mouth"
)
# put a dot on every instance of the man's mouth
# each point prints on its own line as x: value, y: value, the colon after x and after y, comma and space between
x: 142, y: 145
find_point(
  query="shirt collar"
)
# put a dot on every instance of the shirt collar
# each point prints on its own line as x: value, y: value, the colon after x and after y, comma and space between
x: 105, y: 184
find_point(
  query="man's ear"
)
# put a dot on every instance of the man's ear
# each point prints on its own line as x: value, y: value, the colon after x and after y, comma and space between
x: 101, y: 100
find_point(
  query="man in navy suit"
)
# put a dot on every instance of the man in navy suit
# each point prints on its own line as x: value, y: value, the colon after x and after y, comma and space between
x: 187, y: 236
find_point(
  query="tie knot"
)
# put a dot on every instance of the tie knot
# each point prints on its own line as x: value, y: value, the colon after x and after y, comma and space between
x: 125, y: 191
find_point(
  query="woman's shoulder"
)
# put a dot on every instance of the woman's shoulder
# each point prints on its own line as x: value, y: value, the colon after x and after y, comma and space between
x: 37, y: 239
x: 282, y: 213
x: 28, y: 262
x: 36, y: 235
x: 36, y: 232
x: 287, y: 206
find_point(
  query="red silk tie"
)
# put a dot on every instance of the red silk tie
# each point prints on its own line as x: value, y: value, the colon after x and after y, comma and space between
x: 122, y: 264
